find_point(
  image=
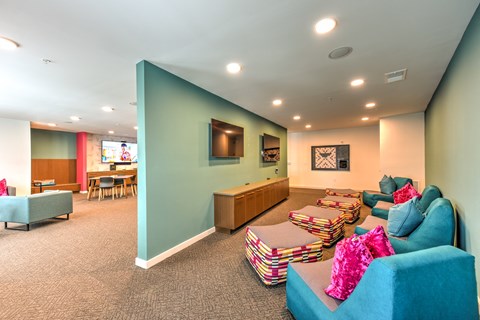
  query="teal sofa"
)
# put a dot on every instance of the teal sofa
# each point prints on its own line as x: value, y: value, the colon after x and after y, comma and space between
x: 438, y: 228
x: 370, y: 197
x: 436, y: 283
x: 429, y: 194
x: 36, y: 207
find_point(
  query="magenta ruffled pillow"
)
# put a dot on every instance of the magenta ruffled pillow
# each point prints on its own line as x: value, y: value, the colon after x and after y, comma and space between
x: 352, y: 258
x: 3, y: 188
x: 404, y: 194
x: 377, y: 242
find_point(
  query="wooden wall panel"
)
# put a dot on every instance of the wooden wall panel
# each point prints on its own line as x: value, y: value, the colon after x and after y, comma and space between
x: 62, y: 170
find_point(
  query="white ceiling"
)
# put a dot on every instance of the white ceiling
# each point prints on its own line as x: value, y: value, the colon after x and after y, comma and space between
x: 94, y: 46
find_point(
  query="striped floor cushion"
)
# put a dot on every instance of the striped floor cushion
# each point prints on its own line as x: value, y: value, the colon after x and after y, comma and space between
x: 328, y: 225
x: 347, y: 193
x: 270, y: 249
x: 349, y: 206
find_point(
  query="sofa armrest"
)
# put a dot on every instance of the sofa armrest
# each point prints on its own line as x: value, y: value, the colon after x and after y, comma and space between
x: 14, y: 209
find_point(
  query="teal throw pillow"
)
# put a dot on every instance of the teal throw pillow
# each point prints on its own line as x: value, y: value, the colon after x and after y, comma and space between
x: 387, y: 185
x: 404, y: 218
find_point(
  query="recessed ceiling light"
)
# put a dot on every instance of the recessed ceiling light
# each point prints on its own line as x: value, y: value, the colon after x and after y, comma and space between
x: 136, y: 128
x: 277, y: 102
x: 364, y: 118
x: 75, y: 118
x: 308, y: 126
x: 234, y: 67
x: 296, y: 118
x: 228, y: 131
x: 107, y: 109
x: 8, y: 44
x: 325, y: 25
x: 51, y: 124
x: 357, y: 82
x: 370, y: 105
x: 111, y: 132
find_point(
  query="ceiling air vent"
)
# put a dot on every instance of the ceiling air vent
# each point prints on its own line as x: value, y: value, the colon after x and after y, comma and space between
x: 395, y: 76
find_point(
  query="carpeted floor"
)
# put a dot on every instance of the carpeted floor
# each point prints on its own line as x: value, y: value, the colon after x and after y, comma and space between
x: 84, y: 269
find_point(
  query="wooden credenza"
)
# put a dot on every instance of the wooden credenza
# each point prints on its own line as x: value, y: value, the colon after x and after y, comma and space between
x: 233, y: 207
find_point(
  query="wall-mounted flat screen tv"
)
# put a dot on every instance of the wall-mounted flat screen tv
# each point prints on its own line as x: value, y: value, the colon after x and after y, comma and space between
x: 271, y: 148
x: 227, y: 140
x: 119, y: 152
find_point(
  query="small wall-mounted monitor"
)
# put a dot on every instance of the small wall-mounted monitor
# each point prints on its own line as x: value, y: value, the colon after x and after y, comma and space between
x: 271, y: 148
x: 227, y: 140
x: 119, y: 152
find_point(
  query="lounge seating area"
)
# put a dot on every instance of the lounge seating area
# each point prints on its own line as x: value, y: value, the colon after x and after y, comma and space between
x: 34, y: 208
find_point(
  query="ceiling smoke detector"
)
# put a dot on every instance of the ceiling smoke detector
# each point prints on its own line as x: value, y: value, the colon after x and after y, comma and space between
x: 395, y: 76
x: 340, y: 52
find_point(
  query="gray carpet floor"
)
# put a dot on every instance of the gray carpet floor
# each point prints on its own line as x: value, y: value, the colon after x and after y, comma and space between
x: 84, y: 269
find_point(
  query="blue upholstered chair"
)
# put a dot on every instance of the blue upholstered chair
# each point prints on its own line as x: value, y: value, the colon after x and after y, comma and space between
x: 429, y: 194
x: 371, y: 197
x: 436, y: 283
x: 438, y: 228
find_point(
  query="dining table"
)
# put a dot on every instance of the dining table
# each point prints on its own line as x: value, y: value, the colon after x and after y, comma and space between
x: 93, y: 180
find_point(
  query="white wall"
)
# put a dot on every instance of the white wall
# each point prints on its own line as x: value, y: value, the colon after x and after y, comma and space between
x: 15, y: 159
x: 364, y: 159
x: 94, y: 152
x: 402, y: 147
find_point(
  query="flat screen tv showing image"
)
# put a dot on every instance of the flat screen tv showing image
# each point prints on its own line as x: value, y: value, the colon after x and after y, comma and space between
x: 271, y: 148
x: 227, y: 140
x: 118, y: 152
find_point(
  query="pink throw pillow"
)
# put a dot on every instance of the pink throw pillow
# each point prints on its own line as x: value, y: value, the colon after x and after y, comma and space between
x: 404, y: 194
x: 3, y: 188
x: 377, y: 242
x: 350, y: 262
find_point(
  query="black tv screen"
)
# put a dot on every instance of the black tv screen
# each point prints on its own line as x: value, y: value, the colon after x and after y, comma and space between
x: 271, y: 148
x: 119, y: 152
x: 227, y: 140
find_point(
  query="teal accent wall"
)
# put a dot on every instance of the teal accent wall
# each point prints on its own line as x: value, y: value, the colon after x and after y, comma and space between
x: 452, y: 131
x: 177, y: 177
x: 48, y: 144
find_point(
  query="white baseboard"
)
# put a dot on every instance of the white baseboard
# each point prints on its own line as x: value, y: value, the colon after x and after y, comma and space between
x: 83, y: 191
x: 145, y: 264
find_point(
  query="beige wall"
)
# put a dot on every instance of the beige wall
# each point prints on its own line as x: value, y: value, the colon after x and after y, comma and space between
x: 364, y: 159
x: 402, y: 147
x: 15, y: 159
x: 94, y: 152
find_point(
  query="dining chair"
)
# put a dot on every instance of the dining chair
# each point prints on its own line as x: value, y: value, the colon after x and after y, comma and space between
x: 133, y: 185
x: 106, y: 183
x: 118, y: 184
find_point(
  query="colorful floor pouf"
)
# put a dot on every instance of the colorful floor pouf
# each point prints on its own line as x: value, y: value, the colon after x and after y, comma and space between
x: 270, y: 249
x: 349, y: 206
x: 327, y: 224
x: 347, y: 193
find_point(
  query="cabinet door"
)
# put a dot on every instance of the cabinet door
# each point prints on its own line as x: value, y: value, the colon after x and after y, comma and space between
x: 267, y: 198
x: 239, y: 205
x: 259, y: 205
x: 250, y: 211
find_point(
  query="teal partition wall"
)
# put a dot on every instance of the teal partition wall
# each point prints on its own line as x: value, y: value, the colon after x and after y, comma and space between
x: 177, y: 176
x: 452, y: 132
x: 48, y: 144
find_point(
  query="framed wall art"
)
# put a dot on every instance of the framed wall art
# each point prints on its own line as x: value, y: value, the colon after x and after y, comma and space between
x: 333, y: 158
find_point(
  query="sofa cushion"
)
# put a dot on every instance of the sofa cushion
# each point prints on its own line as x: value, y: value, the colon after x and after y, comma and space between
x: 405, y: 193
x: 404, y: 218
x: 429, y: 194
x: 377, y: 242
x: 352, y: 257
x: 387, y: 185
x: 3, y: 188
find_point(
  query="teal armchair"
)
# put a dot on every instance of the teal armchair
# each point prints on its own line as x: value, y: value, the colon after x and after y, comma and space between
x: 370, y: 197
x: 438, y: 228
x: 436, y: 283
x: 429, y: 194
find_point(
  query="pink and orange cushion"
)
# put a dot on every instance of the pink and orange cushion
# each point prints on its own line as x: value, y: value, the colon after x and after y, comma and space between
x: 404, y: 194
x: 3, y: 188
x: 352, y: 257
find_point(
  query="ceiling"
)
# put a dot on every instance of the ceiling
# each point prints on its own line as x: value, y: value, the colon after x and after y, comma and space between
x: 94, y: 46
